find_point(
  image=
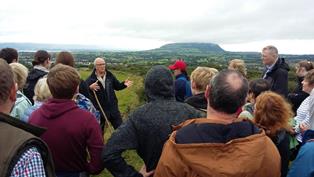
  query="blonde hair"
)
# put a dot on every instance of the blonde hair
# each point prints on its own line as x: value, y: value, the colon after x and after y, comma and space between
x: 201, y: 76
x: 238, y: 65
x: 20, y: 74
x: 272, y: 112
x: 41, y: 91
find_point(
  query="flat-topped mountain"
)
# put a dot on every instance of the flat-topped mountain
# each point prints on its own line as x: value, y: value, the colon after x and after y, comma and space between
x: 190, y: 48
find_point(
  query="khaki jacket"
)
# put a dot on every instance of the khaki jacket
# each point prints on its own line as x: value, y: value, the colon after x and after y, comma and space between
x: 15, y: 138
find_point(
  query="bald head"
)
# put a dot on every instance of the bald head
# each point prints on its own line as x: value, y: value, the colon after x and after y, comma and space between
x: 228, y: 91
x: 234, y: 81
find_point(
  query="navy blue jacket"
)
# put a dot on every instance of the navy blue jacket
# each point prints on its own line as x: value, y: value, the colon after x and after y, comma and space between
x: 182, y: 88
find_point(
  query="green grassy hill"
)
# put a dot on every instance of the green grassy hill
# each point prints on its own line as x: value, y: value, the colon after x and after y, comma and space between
x: 190, y: 48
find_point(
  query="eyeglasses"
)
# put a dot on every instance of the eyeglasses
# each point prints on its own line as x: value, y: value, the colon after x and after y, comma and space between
x: 101, y: 64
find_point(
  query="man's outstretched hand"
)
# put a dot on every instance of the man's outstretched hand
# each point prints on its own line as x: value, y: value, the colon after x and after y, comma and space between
x: 128, y: 83
x: 94, y: 86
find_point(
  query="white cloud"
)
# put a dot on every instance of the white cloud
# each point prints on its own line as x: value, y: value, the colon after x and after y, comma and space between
x: 284, y: 46
x: 144, y: 24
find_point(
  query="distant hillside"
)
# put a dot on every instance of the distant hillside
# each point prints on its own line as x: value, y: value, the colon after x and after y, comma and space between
x: 190, y: 48
x: 49, y: 47
x: 189, y: 51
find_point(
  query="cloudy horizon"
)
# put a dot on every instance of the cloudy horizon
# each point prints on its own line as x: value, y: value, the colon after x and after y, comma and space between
x: 241, y: 25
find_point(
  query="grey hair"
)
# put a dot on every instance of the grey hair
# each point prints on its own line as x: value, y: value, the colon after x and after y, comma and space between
x: 271, y: 49
x: 96, y: 59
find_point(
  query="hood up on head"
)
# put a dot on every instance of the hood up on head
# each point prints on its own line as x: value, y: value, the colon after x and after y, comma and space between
x: 159, y: 83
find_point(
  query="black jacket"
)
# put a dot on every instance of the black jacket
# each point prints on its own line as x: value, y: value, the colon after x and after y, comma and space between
x: 83, y: 89
x: 298, y: 96
x: 282, y: 142
x: 198, y: 101
x: 278, y: 77
x: 148, y: 127
x: 107, y: 96
x: 32, y: 78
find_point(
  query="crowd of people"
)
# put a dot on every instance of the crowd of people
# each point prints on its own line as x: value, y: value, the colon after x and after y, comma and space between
x: 211, y: 123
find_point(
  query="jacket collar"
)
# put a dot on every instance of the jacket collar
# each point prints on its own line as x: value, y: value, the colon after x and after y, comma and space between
x: 37, y: 131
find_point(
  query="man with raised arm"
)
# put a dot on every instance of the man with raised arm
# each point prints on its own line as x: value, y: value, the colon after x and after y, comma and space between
x: 104, y: 84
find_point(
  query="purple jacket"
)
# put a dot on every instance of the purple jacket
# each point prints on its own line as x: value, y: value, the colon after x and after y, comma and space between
x: 70, y: 132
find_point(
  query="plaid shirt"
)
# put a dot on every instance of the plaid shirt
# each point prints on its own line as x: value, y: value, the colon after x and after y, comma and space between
x: 30, y: 164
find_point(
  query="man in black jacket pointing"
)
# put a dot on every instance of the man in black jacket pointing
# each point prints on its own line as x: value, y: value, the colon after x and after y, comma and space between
x: 104, y: 83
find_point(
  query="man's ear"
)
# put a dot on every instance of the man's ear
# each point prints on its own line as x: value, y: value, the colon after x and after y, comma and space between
x: 47, y: 63
x: 193, y: 85
x: 76, y: 92
x: 12, y: 95
x: 275, y: 57
x: 77, y: 89
x: 207, y: 92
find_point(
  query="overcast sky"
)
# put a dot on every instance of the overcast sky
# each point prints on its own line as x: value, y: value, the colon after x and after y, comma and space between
x: 236, y: 25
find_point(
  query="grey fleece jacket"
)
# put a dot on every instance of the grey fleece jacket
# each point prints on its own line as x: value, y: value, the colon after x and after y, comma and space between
x: 148, y: 127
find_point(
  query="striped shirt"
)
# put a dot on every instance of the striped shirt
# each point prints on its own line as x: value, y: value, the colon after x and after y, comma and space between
x: 302, y: 117
x: 30, y: 164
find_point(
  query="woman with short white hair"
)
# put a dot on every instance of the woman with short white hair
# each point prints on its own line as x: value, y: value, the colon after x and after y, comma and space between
x: 22, y: 102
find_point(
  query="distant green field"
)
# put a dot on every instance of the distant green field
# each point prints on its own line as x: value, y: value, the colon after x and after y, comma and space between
x: 128, y: 101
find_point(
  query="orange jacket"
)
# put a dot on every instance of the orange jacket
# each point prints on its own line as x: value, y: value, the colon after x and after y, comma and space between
x: 252, y: 156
